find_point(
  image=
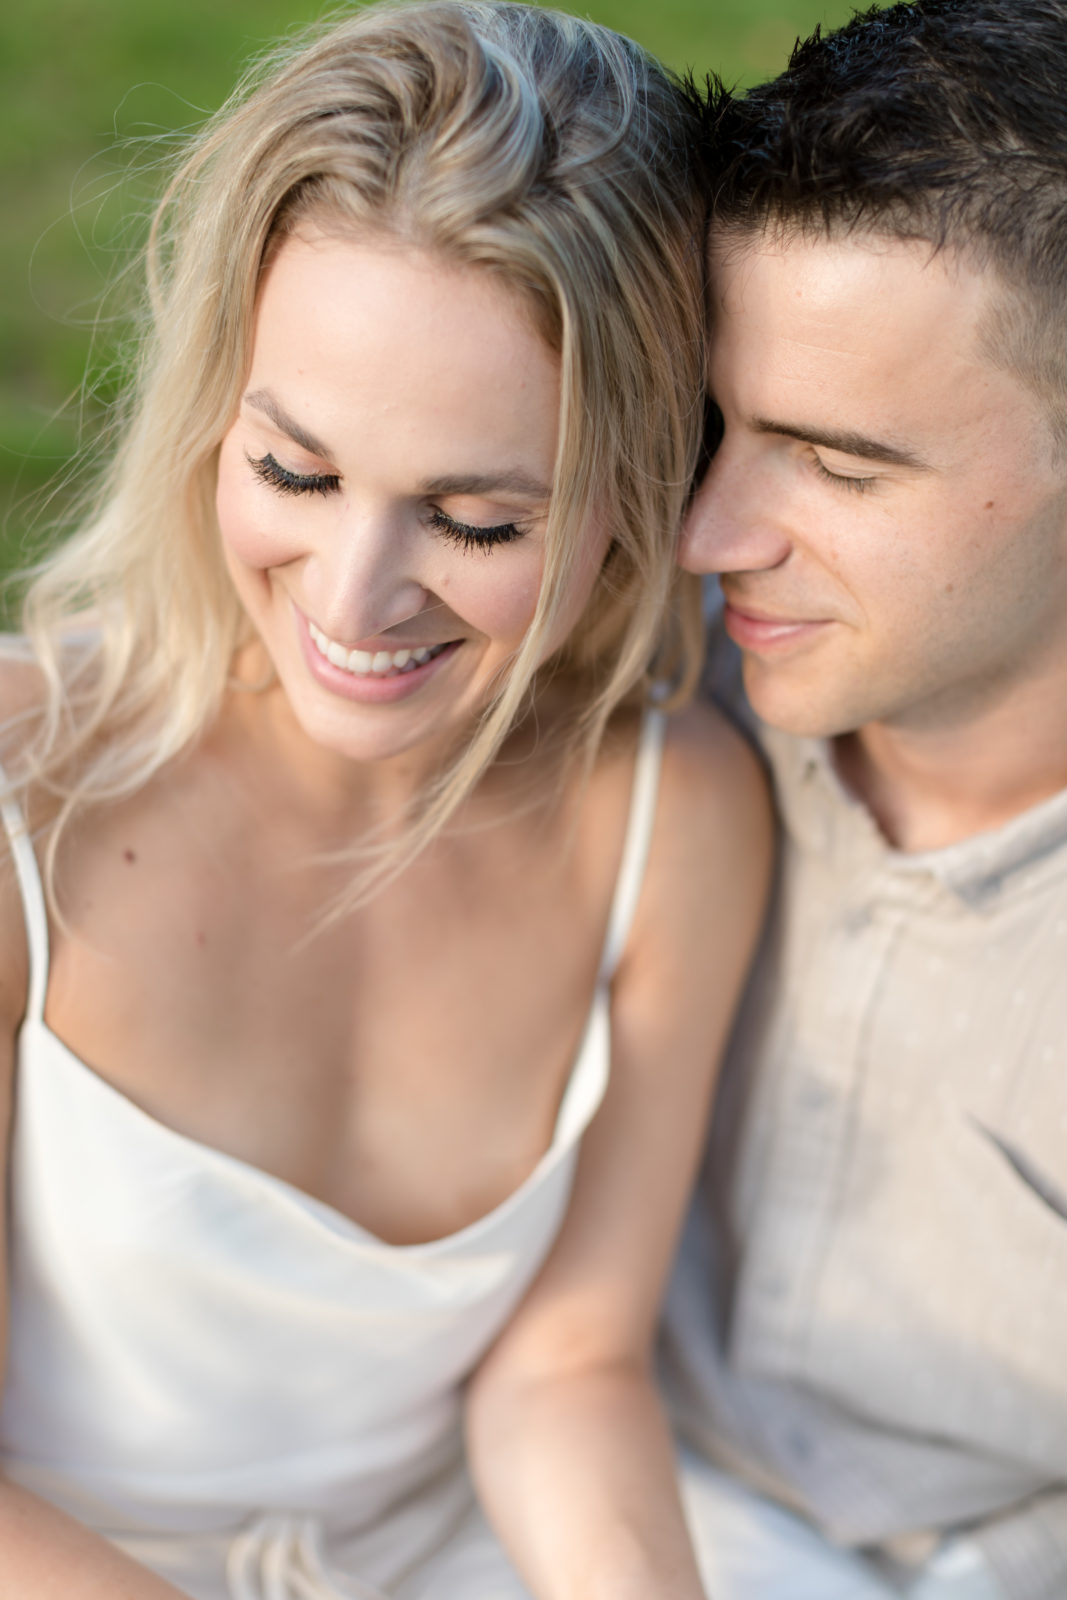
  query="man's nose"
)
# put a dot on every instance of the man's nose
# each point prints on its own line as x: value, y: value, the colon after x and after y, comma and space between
x: 733, y: 523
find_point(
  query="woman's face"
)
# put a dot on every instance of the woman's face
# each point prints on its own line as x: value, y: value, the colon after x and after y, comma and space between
x: 383, y: 492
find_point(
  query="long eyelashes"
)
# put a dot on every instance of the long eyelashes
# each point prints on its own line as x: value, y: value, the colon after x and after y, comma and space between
x: 472, y: 538
x: 277, y: 477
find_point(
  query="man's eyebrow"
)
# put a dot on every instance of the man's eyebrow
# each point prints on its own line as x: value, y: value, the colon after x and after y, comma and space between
x: 849, y: 444
x: 513, y: 481
x: 264, y: 401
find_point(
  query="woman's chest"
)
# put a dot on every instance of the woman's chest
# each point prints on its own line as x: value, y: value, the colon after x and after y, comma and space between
x: 405, y: 1066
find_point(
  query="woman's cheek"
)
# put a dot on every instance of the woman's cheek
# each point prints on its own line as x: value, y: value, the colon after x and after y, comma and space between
x: 507, y: 598
x: 255, y: 532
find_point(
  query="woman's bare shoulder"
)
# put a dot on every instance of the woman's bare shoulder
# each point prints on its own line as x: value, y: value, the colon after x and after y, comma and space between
x: 21, y: 696
x: 714, y: 785
x: 713, y: 792
x: 712, y: 844
x: 22, y: 688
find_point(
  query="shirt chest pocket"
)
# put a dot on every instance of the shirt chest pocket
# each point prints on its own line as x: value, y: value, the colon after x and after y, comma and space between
x: 941, y: 1299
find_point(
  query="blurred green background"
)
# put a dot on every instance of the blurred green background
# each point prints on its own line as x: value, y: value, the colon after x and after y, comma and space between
x: 92, y: 93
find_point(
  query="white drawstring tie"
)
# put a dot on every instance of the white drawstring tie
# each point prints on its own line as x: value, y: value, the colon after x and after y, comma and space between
x: 280, y: 1558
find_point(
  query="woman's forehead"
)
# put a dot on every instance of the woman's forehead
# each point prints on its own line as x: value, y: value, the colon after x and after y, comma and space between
x: 392, y: 349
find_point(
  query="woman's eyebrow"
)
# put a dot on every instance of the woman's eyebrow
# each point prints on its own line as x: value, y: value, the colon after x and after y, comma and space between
x: 264, y: 401
x: 848, y: 444
x: 510, y: 481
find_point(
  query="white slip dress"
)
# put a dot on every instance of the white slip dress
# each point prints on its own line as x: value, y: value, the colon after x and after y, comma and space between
x: 251, y: 1394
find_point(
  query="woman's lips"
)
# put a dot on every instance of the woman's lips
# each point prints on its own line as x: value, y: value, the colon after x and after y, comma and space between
x: 761, y: 633
x: 370, y: 688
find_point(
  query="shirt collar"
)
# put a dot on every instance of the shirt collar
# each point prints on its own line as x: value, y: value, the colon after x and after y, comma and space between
x: 821, y: 815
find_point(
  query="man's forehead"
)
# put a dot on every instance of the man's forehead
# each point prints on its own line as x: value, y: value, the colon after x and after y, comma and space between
x: 873, y: 276
x: 880, y: 326
x: 867, y: 336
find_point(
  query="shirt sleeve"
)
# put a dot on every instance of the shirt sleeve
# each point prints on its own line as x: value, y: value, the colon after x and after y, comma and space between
x: 1027, y: 1549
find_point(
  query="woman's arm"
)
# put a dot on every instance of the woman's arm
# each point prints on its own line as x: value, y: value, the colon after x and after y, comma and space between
x: 568, y: 1445
x: 44, y: 1554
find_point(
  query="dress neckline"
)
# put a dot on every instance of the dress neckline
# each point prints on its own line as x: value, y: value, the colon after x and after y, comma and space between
x: 581, y: 1095
x: 581, y: 1106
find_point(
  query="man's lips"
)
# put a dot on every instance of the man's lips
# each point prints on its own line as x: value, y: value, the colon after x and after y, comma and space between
x: 755, y: 629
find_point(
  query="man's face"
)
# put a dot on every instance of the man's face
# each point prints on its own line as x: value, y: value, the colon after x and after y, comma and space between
x: 886, y: 509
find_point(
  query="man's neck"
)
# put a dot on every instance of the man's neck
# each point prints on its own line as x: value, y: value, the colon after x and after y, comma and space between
x: 931, y: 786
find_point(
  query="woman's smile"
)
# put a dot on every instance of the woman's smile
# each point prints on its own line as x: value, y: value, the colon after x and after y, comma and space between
x: 372, y: 673
x: 372, y: 662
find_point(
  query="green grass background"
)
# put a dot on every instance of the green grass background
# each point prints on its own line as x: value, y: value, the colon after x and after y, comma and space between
x: 90, y: 90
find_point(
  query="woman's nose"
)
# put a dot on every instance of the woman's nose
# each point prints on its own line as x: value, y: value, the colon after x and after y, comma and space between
x: 366, y: 577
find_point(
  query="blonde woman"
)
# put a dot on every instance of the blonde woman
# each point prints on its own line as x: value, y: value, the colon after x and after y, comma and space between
x: 363, y: 977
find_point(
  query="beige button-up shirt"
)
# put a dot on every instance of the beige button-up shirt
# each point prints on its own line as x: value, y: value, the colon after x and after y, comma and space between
x: 869, y: 1318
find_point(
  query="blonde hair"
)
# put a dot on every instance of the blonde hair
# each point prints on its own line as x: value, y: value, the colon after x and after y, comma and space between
x: 519, y: 141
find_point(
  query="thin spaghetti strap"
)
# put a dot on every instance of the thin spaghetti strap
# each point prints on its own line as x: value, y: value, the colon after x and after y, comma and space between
x: 33, y: 901
x: 638, y: 838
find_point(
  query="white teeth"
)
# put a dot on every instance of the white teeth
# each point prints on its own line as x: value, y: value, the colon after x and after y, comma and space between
x: 363, y: 663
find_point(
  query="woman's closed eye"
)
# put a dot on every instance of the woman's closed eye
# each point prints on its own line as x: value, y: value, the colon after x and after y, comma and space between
x: 470, y: 536
x: 277, y: 477
x: 467, y: 534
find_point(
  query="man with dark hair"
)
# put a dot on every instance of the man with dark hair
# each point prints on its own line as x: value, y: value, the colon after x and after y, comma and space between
x: 869, y: 1320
